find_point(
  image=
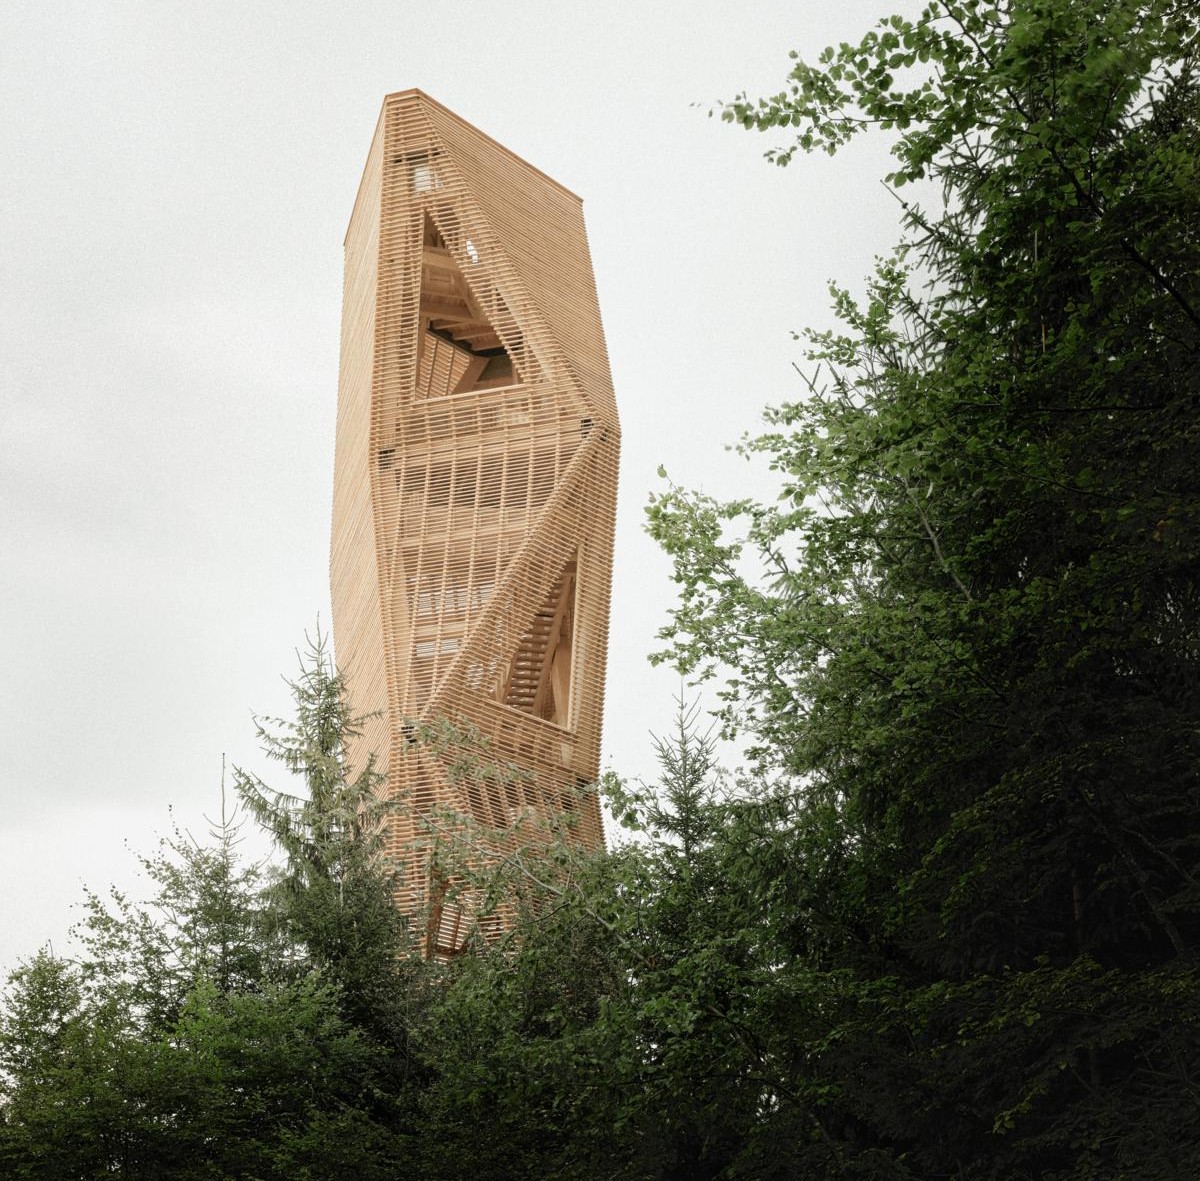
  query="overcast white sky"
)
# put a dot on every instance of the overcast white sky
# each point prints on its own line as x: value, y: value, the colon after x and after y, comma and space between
x: 175, y: 182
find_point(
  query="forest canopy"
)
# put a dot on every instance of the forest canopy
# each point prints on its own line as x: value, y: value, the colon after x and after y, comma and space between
x: 945, y: 925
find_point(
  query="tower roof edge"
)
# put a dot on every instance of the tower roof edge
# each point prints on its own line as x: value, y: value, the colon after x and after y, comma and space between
x: 417, y: 94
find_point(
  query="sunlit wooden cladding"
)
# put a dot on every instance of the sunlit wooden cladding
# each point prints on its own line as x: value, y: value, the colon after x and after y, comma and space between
x: 474, y: 491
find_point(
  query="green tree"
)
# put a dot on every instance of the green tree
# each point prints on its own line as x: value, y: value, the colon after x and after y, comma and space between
x: 207, y: 917
x: 335, y: 897
x: 112, y: 1065
x: 974, y: 651
x: 617, y: 1032
x: 222, y: 1029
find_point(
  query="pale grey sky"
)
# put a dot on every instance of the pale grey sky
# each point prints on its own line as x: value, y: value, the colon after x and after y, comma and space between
x: 175, y: 181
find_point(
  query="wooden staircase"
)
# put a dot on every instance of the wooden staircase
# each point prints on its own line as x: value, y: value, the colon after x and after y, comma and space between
x: 539, y: 679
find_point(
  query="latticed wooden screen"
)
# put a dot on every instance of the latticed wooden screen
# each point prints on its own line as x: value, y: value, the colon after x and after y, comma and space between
x: 474, y: 488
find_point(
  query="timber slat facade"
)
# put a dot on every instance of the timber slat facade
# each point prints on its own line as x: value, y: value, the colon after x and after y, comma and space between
x: 474, y: 492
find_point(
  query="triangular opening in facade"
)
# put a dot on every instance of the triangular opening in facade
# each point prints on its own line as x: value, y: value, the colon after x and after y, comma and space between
x: 460, y: 347
x: 539, y: 678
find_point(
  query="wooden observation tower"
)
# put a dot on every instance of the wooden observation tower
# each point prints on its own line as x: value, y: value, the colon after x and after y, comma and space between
x: 474, y: 488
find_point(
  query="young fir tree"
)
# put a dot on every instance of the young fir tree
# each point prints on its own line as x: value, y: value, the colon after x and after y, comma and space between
x: 178, y: 1046
x: 335, y: 898
x: 218, y: 1029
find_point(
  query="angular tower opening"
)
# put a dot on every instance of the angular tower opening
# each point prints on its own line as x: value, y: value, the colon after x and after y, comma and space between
x: 460, y: 350
x: 539, y: 677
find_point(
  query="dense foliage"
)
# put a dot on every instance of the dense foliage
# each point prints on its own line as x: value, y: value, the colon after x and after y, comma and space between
x: 221, y: 1029
x: 976, y: 650
x: 947, y: 925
